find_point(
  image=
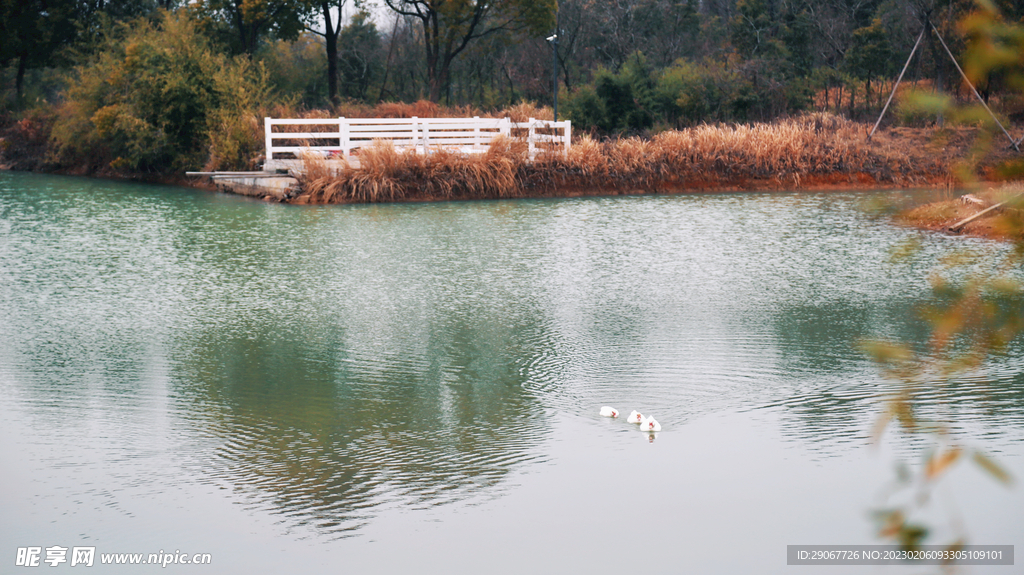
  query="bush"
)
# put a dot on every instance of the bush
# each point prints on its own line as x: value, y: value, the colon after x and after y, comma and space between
x: 616, y: 102
x: 584, y: 108
x: 688, y: 93
x: 23, y: 142
x: 158, y: 98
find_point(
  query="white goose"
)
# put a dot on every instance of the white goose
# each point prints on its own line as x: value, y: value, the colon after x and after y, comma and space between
x: 609, y: 411
x: 650, y: 424
x: 635, y: 417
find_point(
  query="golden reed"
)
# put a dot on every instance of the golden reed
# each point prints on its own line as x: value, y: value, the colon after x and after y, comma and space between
x: 710, y: 156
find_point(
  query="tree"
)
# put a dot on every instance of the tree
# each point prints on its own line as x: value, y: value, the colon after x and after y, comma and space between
x: 158, y: 97
x: 359, y: 55
x: 298, y: 69
x: 754, y: 29
x: 450, y: 25
x: 32, y: 31
x: 247, y: 23
x: 871, y: 54
x: 313, y: 11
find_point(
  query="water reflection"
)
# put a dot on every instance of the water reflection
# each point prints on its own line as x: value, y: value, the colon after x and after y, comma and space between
x: 328, y: 431
x: 835, y: 395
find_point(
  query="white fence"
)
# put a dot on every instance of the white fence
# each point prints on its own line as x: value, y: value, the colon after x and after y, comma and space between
x: 339, y: 139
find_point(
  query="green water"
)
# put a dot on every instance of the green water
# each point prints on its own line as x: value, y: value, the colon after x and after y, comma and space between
x: 416, y: 387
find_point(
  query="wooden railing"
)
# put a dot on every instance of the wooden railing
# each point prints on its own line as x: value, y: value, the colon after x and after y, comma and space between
x: 339, y: 139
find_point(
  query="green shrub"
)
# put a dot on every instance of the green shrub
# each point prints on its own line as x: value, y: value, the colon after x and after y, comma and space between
x: 584, y: 108
x: 616, y: 102
x: 157, y: 97
x: 688, y: 93
x: 616, y: 95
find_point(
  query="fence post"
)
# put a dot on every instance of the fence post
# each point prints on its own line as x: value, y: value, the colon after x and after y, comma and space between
x: 426, y: 137
x: 415, y: 131
x: 343, y: 140
x: 476, y: 132
x: 568, y: 135
x: 267, y: 127
x: 530, y: 137
x: 506, y: 127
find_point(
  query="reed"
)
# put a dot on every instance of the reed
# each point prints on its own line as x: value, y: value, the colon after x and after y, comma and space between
x: 706, y: 156
x: 387, y: 174
x: 523, y: 111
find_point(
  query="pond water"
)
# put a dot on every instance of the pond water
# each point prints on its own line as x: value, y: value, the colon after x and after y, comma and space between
x: 416, y: 387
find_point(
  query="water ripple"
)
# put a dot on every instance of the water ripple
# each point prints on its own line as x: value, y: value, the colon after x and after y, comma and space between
x: 327, y: 366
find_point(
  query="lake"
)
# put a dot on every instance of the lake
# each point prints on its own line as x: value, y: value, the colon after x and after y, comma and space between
x: 416, y: 387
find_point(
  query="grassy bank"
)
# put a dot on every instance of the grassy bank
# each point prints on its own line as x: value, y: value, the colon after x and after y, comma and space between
x: 812, y: 151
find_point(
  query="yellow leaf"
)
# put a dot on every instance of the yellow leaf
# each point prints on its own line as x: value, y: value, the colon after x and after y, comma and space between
x: 938, y: 462
x: 881, y: 424
x: 886, y: 352
x: 993, y: 468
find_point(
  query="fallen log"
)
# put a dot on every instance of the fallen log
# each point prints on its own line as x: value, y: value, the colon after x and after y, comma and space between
x: 955, y: 228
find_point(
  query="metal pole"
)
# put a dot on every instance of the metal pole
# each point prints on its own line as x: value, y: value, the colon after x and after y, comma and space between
x: 973, y: 89
x: 898, y: 80
x: 554, y: 67
x: 554, y: 79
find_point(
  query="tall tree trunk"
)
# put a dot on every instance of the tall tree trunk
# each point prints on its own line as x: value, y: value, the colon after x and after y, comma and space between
x: 439, y: 83
x: 243, y: 37
x: 940, y: 86
x: 867, y: 94
x: 387, y: 66
x: 332, y: 70
x: 331, y: 39
x: 433, y: 48
x: 435, y: 88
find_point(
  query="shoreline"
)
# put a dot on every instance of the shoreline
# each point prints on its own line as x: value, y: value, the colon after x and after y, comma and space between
x: 990, y: 210
x: 935, y: 216
x: 837, y: 182
x: 812, y: 152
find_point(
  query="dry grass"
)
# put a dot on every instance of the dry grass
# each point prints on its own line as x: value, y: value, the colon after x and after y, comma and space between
x: 387, y: 174
x: 792, y: 152
x: 523, y: 111
x: 809, y: 144
x: 586, y: 158
x: 788, y: 150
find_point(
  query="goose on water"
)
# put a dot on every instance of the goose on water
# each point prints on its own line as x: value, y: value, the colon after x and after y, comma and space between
x: 650, y: 424
x: 635, y: 417
x: 609, y: 411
